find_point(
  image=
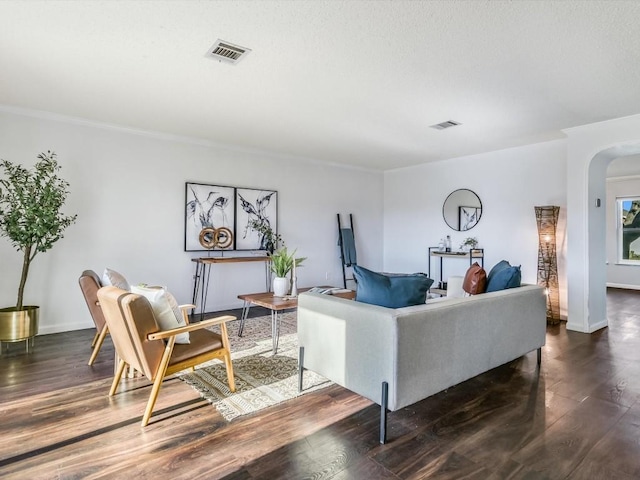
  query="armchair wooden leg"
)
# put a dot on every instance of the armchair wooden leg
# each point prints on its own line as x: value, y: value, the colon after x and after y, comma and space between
x: 155, y: 391
x: 95, y: 338
x: 227, y: 357
x: 229, y: 367
x: 117, y: 378
x: 97, y: 345
x: 157, y: 383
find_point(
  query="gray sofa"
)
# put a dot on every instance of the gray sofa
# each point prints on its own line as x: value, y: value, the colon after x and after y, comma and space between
x: 396, y: 357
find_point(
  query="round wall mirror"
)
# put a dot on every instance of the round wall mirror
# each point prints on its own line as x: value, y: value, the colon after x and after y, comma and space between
x: 462, y: 210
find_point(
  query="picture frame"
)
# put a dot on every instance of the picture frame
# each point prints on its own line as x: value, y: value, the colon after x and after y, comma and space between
x: 467, y: 218
x: 208, y: 206
x: 254, y: 205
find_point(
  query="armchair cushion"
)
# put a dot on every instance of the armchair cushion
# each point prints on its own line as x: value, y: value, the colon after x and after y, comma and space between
x: 165, y: 309
x: 202, y: 341
x: 90, y: 284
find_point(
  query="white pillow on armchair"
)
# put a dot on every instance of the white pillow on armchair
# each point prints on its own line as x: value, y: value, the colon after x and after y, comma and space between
x: 111, y: 277
x: 165, y: 309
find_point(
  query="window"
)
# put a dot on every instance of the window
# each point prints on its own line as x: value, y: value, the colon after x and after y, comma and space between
x: 629, y: 230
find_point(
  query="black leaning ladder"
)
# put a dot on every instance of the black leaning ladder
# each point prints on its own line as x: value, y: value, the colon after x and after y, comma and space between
x: 342, y: 253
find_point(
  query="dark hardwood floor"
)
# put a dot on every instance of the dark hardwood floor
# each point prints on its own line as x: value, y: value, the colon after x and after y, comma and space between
x: 577, y: 417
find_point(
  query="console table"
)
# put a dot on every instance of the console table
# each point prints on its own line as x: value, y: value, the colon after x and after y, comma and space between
x: 203, y: 273
x: 474, y: 254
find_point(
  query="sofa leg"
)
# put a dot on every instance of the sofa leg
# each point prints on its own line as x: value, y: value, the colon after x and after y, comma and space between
x: 383, y: 413
x: 300, y: 368
x: 539, y: 355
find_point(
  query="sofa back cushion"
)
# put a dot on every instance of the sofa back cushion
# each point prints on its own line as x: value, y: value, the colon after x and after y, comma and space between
x: 392, y: 291
x: 475, y: 280
x: 503, y: 276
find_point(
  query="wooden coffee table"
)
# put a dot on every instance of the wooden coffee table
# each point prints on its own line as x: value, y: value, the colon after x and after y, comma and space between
x: 276, y: 305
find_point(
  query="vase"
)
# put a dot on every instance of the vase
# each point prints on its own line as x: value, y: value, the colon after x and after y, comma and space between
x: 18, y: 325
x: 280, y: 286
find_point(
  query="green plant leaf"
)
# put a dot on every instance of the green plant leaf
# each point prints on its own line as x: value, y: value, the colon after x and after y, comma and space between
x: 282, y: 261
x: 30, y: 209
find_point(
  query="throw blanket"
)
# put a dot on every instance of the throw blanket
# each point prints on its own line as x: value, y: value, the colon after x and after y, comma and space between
x: 348, y: 245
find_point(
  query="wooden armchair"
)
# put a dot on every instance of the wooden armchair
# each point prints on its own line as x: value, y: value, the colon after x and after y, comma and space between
x: 140, y: 343
x: 90, y: 284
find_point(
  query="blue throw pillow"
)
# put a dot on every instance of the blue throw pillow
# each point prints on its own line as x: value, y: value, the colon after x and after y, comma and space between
x: 507, y: 277
x: 501, y: 265
x: 392, y: 291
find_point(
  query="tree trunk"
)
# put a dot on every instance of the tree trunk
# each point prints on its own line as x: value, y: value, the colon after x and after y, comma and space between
x: 25, y: 271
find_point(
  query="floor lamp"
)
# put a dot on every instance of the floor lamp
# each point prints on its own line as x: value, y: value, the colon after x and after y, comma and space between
x: 547, y: 219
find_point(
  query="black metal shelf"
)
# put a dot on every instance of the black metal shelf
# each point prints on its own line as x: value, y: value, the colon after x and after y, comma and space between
x: 473, y: 254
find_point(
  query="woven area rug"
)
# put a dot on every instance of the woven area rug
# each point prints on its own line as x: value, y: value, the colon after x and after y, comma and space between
x: 262, y: 379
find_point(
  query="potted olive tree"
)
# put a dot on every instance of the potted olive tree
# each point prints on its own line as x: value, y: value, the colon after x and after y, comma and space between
x: 30, y: 217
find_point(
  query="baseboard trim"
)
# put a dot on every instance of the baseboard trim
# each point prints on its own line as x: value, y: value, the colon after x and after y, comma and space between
x: 576, y: 327
x: 598, y: 326
x: 623, y: 285
x: 60, y: 328
x: 579, y: 327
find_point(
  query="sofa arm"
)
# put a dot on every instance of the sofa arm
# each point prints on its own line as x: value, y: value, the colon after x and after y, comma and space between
x: 351, y: 343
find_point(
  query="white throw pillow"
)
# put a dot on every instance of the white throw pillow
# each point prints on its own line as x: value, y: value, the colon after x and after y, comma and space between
x: 454, y: 287
x: 165, y: 308
x: 111, y: 277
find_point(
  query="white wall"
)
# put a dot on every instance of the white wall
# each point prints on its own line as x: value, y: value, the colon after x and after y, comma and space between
x: 128, y: 190
x: 509, y: 183
x: 619, y: 275
x: 590, y: 149
x: 624, y: 166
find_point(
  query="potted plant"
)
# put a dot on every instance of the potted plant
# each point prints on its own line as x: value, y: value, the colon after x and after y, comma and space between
x: 469, y: 243
x: 31, y: 218
x: 269, y: 240
x: 281, y: 264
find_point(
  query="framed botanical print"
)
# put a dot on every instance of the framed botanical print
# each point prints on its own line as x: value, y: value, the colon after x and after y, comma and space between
x: 468, y: 217
x: 210, y: 207
x: 256, y: 211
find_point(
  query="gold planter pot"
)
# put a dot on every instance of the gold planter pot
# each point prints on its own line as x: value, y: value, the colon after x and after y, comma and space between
x: 18, y: 325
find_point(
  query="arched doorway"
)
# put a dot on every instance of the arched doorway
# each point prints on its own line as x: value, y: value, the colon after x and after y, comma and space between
x: 590, y: 149
x: 596, y: 227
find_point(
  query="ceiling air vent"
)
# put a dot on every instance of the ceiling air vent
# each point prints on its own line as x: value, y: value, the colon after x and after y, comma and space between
x: 447, y: 124
x: 227, y: 52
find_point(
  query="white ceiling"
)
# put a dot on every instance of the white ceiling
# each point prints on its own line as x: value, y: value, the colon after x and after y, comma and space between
x: 356, y: 82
